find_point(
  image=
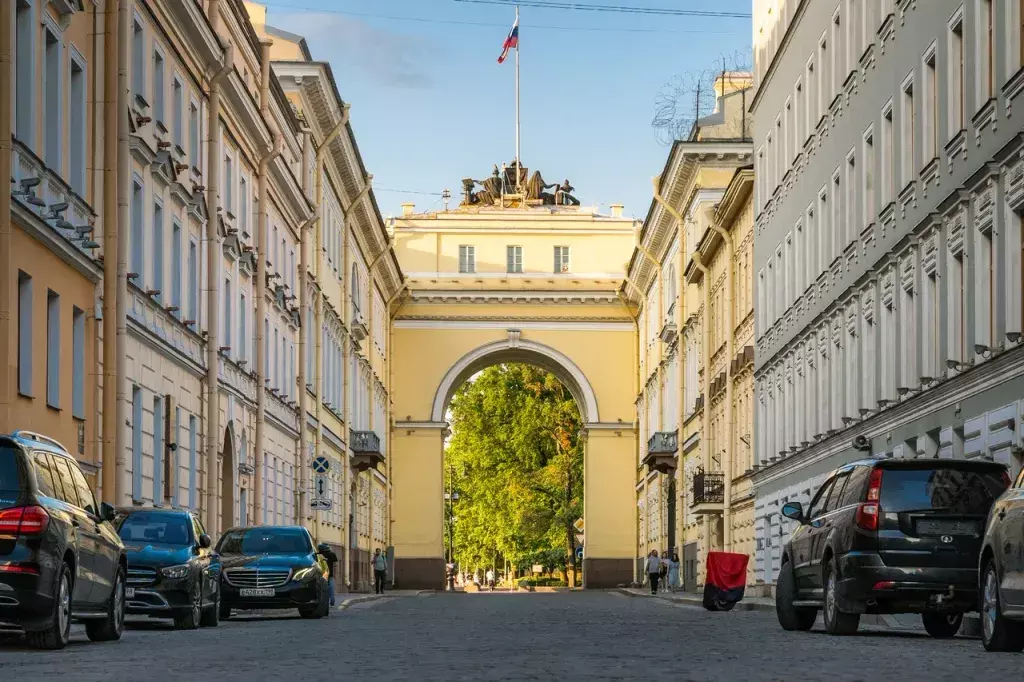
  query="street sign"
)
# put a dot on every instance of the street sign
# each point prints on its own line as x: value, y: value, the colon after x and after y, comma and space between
x: 321, y: 495
x: 321, y: 465
x: 579, y: 553
x: 538, y: 569
x: 320, y: 505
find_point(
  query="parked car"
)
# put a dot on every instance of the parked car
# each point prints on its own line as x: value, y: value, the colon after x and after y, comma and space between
x: 1001, y: 571
x: 60, y: 558
x: 889, y: 536
x: 172, y: 570
x: 272, y: 567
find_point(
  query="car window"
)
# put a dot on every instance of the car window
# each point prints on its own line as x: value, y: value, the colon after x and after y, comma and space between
x: 44, y: 477
x: 818, y: 504
x: 957, y: 491
x: 836, y: 494
x: 265, y: 541
x: 197, y: 527
x: 11, y: 479
x: 169, y: 528
x: 62, y: 477
x: 855, y: 486
x: 1019, y: 483
x: 85, y: 496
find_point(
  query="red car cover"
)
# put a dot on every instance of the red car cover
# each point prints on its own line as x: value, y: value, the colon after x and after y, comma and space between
x: 726, y: 580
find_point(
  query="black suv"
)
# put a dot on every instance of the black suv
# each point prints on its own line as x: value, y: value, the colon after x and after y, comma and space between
x: 889, y: 536
x: 60, y: 558
x: 272, y: 567
x: 172, y: 572
x: 1002, y: 573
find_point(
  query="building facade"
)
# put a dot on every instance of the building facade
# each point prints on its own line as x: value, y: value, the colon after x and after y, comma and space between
x: 887, y: 251
x: 690, y: 277
x: 203, y: 275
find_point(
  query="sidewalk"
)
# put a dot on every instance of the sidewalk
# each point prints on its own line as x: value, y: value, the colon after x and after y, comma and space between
x: 357, y: 598
x: 694, y: 599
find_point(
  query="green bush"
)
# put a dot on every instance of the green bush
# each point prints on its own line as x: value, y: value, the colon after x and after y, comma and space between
x: 542, y: 582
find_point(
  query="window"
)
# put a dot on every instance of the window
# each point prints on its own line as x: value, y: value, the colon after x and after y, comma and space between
x: 838, y: 217
x: 850, y: 200
x: 158, y: 86
x: 193, y: 464
x: 176, y: 268
x: 837, y: 54
x: 138, y: 225
x: 243, y: 332
x: 25, y: 51
x: 811, y: 247
x: 868, y: 181
x: 824, y: 90
x: 229, y: 181
x: 930, y: 108
x: 817, y: 506
x: 77, y: 363
x: 266, y: 356
x: 158, y: 449
x: 86, y: 500
x: 174, y: 457
x: 193, y: 282
x: 24, y: 334
x: 561, y: 259
x: 514, y: 257
x: 836, y: 494
x: 958, y: 75
x: 243, y: 205
x: 138, y: 59
x: 76, y: 128
x: 987, y: 44
x: 907, y: 132
x: 193, y: 135
x: 178, y: 104
x: 887, y: 171
x: 137, y: 411
x: 44, y: 477
x: 53, y: 349
x: 467, y: 260
x: 158, y: 250
x: 855, y: 486
x: 825, y: 234
x: 52, y: 99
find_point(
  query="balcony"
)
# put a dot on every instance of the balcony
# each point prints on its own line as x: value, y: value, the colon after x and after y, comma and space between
x: 708, y: 492
x: 668, y: 329
x: 661, y: 451
x: 358, y: 329
x: 366, y: 448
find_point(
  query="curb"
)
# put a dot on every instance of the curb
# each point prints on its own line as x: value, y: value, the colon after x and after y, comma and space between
x: 351, y: 601
x: 696, y: 601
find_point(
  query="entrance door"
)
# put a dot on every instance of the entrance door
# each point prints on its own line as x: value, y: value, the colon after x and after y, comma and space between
x: 690, y: 567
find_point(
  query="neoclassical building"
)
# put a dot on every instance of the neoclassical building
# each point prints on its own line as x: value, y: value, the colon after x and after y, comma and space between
x: 690, y: 278
x: 887, y: 251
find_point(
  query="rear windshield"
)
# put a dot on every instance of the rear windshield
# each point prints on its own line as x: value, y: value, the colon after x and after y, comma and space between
x: 957, y: 491
x: 10, y: 476
x: 154, y: 527
x: 265, y: 541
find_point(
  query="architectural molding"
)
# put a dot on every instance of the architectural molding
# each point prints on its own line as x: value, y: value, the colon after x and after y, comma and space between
x: 560, y: 324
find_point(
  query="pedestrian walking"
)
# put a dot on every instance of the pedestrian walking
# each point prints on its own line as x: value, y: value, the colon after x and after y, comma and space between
x: 332, y: 561
x: 490, y: 579
x: 673, y: 572
x: 653, y: 567
x: 380, y: 571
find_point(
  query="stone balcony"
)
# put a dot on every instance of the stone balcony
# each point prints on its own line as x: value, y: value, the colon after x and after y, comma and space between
x: 366, y: 448
x: 661, y: 451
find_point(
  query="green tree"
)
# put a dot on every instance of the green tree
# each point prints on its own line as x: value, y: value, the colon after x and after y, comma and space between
x: 517, y: 463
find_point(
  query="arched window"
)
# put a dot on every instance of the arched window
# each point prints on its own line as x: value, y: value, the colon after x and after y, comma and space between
x: 356, y: 293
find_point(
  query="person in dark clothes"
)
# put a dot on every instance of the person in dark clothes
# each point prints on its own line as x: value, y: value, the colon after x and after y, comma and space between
x: 380, y: 571
x: 332, y: 561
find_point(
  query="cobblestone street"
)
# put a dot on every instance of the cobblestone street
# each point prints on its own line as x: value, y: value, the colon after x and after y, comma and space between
x: 510, y: 637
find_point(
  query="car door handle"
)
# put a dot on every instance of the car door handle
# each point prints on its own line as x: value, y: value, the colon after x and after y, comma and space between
x: 1002, y: 514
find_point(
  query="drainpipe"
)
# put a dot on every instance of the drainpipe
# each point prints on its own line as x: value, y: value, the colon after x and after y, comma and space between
x: 121, y: 175
x: 261, y: 281
x: 705, y: 422
x: 727, y: 465
x: 303, y: 279
x: 318, y: 181
x: 213, y: 258
x: 6, y: 26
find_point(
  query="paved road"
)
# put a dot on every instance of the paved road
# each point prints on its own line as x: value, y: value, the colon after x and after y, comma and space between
x: 601, y: 636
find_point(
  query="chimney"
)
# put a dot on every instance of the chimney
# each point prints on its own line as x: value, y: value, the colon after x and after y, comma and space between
x: 616, y: 210
x: 407, y: 208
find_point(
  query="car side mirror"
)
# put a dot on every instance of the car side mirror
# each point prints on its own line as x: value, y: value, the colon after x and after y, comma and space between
x: 794, y: 510
x: 107, y: 511
x: 204, y: 541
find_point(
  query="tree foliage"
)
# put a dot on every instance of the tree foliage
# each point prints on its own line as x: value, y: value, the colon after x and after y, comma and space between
x: 516, y: 460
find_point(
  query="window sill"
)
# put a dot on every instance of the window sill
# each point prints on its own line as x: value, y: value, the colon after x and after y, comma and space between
x: 26, y: 395
x: 55, y: 408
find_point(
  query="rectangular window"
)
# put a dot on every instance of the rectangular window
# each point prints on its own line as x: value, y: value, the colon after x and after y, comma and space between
x: 838, y: 217
x: 193, y: 464
x: 176, y: 268
x: 266, y: 355
x: 229, y: 182
x: 850, y: 200
x: 514, y: 258
x: 987, y: 44
x: 837, y: 54
x: 24, y: 334
x: 137, y: 411
x: 958, y: 76
x: 228, y: 321
x: 193, y: 283
x: 178, y: 104
x: 138, y: 59
x: 77, y: 363
x: 52, y: 99
x: 138, y: 227
x: 24, y: 56
x: 930, y: 109
x: 158, y: 88
x: 243, y: 206
x: 467, y: 259
x: 53, y: 349
x: 243, y: 332
x: 824, y: 232
x: 888, y: 173
x: 158, y: 449
x: 77, y: 109
x: 824, y: 90
x: 193, y: 135
x: 158, y: 251
x: 907, y: 133
x: 869, y: 177
x: 561, y: 259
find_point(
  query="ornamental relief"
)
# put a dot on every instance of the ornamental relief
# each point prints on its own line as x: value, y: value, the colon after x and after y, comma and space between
x: 1015, y: 186
x: 984, y: 205
x: 955, y: 229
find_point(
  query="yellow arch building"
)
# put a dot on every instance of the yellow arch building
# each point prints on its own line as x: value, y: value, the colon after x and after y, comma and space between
x: 488, y: 285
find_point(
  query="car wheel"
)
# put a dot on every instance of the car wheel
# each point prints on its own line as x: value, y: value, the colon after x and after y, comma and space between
x: 837, y: 622
x: 110, y: 628
x: 57, y: 635
x: 997, y: 632
x: 942, y: 625
x: 211, y: 616
x: 791, y: 617
x: 189, y: 620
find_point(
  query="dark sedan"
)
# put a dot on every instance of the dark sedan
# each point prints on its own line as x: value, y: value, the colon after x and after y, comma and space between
x: 272, y: 567
x: 172, y: 572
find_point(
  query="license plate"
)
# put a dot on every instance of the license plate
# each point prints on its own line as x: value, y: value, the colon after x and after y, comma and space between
x: 936, y: 527
x: 255, y: 592
x: 129, y: 593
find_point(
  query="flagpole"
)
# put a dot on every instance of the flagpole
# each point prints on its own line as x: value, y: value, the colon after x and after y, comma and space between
x: 518, y: 173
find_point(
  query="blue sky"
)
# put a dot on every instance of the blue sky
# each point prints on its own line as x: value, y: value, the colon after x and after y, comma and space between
x: 430, y: 104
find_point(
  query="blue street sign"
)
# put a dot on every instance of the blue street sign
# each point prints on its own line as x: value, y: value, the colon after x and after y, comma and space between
x: 579, y: 553
x: 321, y: 465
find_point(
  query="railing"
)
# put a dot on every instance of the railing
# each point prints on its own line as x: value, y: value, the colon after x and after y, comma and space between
x: 663, y: 443
x: 708, y: 487
x: 364, y: 442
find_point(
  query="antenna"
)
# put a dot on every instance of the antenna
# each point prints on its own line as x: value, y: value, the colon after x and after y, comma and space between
x: 446, y: 195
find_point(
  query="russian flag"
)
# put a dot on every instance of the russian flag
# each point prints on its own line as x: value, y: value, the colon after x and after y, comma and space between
x: 511, y: 43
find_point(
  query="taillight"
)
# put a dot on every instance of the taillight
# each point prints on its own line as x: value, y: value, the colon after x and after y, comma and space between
x: 869, y: 511
x: 24, y: 521
x: 1006, y: 478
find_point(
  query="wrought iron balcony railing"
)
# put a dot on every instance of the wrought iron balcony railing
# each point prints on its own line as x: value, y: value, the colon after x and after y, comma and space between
x: 708, y: 487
